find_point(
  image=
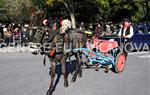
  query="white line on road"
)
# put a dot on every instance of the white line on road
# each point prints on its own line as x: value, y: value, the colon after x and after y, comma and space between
x: 137, y: 53
x: 144, y: 56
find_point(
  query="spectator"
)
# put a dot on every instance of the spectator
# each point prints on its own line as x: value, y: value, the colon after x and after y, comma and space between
x: 7, y: 34
x: 17, y: 36
x: 5, y: 28
x: 82, y: 27
x: 99, y: 31
x: 126, y: 29
x: 108, y: 29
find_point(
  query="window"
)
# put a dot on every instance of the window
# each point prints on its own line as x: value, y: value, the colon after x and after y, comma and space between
x: 140, y: 31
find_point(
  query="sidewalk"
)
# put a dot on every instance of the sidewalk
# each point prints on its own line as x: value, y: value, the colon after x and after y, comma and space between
x: 16, y: 49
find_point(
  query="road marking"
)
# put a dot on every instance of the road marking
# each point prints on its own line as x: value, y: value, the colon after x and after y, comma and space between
x: 137, y: 53
x: 144, y: 56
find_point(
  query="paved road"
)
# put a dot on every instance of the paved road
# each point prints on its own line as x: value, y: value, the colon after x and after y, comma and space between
x: 24, y: 74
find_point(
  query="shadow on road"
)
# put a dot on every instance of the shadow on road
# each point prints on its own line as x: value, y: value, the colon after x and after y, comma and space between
x: 70, y: 69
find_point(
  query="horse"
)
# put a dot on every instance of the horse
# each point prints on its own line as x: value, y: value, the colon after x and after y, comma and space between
x: 64, y: 36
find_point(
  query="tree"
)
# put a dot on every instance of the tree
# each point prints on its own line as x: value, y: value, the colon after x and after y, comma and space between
x: 2, y: 11
x: 104, y: 9
x: 40, y: 9
x: 78, y: 10
x: 70, y: 5
x: 18, y: 10
x: 144, y: 9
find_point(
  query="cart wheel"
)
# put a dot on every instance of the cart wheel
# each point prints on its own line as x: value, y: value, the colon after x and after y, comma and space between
x: 120, y: 62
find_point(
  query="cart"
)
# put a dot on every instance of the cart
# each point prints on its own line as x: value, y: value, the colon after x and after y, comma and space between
x: 107, y: 53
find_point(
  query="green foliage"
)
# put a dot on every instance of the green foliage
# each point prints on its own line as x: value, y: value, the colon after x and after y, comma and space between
x: 84, y: 10
x: 2, y: 10
x: 39, y: 3
x: 143, y: 12
x: 103, y: 3
x: 50, y: 2
x: 1, y: 3
x: 17, y: 11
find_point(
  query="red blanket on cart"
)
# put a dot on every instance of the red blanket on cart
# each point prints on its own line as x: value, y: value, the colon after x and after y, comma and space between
x: 104, y: 45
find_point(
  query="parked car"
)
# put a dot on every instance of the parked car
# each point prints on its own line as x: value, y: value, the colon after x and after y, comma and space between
x: 140, y: 39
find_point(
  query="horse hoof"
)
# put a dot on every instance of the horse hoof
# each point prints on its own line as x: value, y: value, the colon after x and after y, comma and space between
x: 97, y: 69
x: 106, y: 71
x: 79, y: 75
x: 49, y: 92
x: 73, y: 80
x: 66, y: 84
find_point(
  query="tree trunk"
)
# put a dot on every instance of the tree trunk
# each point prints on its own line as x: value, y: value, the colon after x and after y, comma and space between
x: 73, y: 20
x: 72, y: 16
